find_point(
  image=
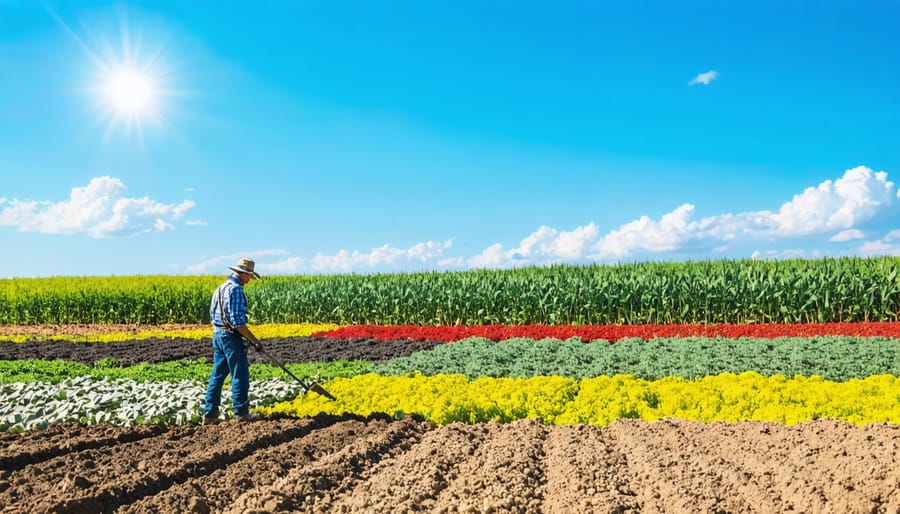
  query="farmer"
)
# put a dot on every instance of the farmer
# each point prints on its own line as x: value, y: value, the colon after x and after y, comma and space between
x: 228, y: 312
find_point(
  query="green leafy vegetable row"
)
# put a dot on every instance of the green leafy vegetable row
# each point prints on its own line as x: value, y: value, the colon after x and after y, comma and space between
x: 198, y: 370
x: 836, y: 358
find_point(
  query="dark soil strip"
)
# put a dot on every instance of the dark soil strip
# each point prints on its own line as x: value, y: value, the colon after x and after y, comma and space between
x: 152, y: 351
x: 22, y: 449
x: 313, y: 488
x: 375, y: 464
x: 102, y: 480
x: 214, y: 492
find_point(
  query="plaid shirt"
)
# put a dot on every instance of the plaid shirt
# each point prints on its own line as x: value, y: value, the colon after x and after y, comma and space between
x: 232, y: 293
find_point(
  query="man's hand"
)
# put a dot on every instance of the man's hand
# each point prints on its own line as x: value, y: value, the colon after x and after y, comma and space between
x: 249, y: 337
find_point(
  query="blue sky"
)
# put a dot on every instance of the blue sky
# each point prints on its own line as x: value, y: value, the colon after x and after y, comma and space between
x: 175, y: 137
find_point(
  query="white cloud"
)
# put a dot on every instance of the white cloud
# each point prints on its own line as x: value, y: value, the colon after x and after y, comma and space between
x: 195, y: 223
x: 544, y: 246
x: 861, y: 195
x: 644, y: 234
x: 836, y: 211
x: 492, y: 257
x: 858, y: 196
x: 428, y: 252
x: 220, y: 263
x: 847, y: 235
x: 451, y: 262
x: 99, y: 209
x: 421, y: 256
x: 888, y: 245
x: 704, y: 78
x: 787, y: 253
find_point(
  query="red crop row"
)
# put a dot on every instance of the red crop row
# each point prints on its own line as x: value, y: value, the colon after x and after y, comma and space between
x: 613, y: 332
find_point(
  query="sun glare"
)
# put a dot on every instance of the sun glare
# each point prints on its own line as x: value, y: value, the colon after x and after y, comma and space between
x: 130, y: 82
x: 129, y: 92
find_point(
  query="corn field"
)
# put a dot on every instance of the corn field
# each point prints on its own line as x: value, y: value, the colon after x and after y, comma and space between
x: 721, y: 291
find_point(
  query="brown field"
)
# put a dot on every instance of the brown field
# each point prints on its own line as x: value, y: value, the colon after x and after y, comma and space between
x: 353, y: 464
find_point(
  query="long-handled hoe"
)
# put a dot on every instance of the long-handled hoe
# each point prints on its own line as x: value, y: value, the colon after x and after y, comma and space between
x: 307, y: 385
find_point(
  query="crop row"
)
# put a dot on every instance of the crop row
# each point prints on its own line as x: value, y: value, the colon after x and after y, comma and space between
x: 443, y: 399
x: 195, y: 370
x: 723, y: 291
x: 837, y: 358
x: 264, y: 331
x: 613, y: 332
x: 89, y: 400
x: 493, y: 332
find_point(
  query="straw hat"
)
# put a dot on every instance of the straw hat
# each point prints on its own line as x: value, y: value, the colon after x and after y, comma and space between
x: 244, y: 266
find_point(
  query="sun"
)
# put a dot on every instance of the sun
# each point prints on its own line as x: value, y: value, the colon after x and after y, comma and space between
x: 130, y: 93
x: 129, y: 78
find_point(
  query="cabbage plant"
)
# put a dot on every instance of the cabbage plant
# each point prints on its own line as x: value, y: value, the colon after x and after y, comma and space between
x: 89, y: 400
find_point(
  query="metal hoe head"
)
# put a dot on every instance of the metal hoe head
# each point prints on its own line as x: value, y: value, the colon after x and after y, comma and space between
x: 307, y: 385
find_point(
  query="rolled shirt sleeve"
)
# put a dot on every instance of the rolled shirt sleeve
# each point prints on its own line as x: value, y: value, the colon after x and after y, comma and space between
x: 237, y: 311
x: 234, y: 311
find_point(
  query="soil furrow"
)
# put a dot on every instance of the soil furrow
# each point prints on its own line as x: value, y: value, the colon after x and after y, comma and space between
x: 585, y: 473
x: 668, y: 474
x: 376, y: 464
x: 312, y: 488
x: 752, y: 465
x: 102, y: 480
x: 156, y: 350
x: 845, y: 467
x: 214, y: 492
x: 504, y: 474
x: 39, y: 445
x: 412, y: 481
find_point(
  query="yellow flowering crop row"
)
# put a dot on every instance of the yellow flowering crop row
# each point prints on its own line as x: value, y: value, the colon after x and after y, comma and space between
x: 265, y: 331
x: 440, y: 399
x: 443, y: 399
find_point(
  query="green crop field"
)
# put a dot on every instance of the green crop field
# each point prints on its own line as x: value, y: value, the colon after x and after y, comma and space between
x: 724, y: 291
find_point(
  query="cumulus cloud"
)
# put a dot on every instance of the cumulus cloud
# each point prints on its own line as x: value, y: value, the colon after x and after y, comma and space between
x: 99, y: 209
x: 644, y: 234
x: 860, y: 195
x: 704, y: 78
x: 220, y: 263
x: 421, y: 256
x: 847, y: 235
x: 787, y: 253
x: 888, y: 245
x: 545, y: 246
x: 833, y: 212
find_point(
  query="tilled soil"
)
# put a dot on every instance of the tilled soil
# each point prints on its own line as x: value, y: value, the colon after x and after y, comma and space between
x: 375, y: 464
x: 154, y: 350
